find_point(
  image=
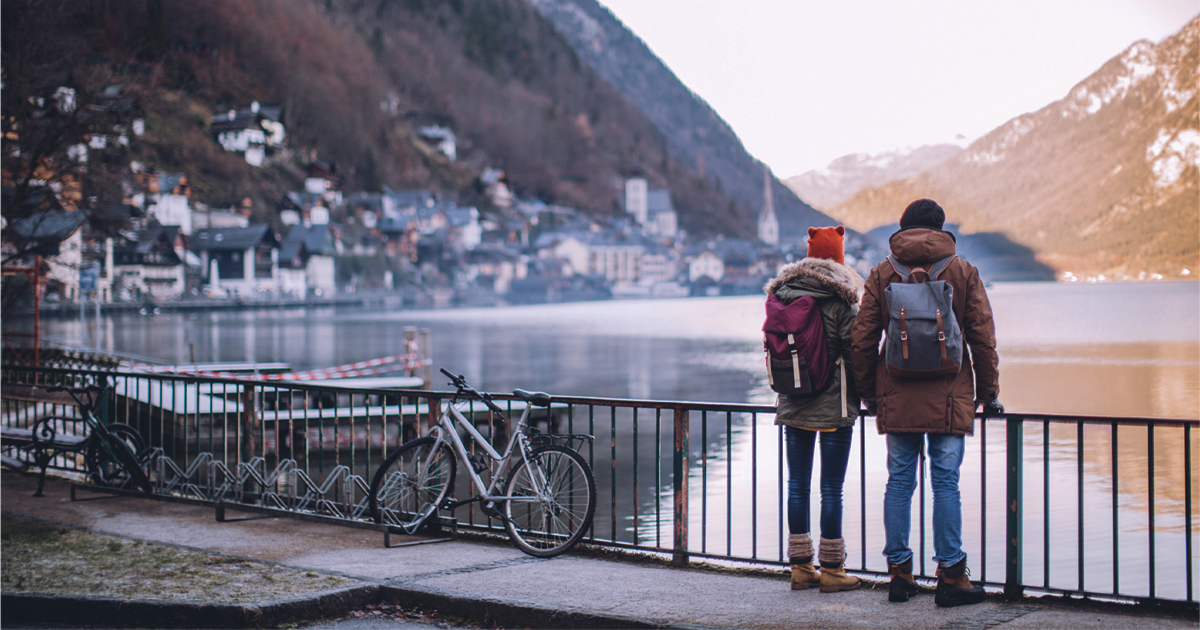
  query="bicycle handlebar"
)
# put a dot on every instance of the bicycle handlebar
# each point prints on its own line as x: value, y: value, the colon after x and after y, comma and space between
x: 72, y: 392
x: 460, y: 382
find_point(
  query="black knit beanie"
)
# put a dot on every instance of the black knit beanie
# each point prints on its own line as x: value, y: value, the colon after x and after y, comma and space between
x: 923, y: 213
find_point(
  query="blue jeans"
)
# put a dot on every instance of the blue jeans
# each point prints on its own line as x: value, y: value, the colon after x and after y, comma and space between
x: 835, y: 453
x: 945, y: 456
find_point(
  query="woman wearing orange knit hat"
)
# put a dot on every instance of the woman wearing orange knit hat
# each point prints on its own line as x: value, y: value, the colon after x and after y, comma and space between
x: 829, y: 413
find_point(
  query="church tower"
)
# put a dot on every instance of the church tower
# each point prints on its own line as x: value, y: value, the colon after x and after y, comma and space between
x: 768, y: 224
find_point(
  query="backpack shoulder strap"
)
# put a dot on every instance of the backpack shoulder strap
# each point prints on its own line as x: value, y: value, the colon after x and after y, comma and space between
x: 940, y: 266
x: 900, y: 268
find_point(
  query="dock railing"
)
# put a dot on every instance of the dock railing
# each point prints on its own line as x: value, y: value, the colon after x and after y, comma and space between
x: 1070, y: 505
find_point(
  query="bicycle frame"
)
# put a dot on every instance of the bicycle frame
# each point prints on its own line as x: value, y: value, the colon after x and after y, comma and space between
x: 445, y: 432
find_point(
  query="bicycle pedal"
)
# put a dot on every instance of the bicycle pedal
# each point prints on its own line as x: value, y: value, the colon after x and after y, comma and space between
x: 447, y: 503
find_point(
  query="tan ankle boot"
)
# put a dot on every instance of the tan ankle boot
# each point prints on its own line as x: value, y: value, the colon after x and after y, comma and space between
x: 804, y: 576
x: 834, y: 579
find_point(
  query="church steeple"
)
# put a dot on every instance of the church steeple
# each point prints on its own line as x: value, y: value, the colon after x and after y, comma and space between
x: 768, y: 224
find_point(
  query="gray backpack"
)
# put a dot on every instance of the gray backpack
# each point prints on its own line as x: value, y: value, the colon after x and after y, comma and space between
x: 923, y: 337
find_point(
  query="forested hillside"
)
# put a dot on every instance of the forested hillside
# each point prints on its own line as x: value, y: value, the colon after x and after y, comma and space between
x: 355, y: 79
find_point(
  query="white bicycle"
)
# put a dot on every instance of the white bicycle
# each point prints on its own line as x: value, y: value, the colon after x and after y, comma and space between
x: 546, y: 500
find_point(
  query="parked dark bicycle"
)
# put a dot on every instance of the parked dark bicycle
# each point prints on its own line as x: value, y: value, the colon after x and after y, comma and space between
x: 549, y: 494
x: 111, y: 455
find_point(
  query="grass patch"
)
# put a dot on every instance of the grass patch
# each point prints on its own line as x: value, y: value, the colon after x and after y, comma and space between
x: 45, y: 558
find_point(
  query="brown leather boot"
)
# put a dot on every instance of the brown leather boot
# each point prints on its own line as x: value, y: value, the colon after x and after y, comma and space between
x: 832, y: 554
x: 834, y: 579
x: 903, y: 586
x: 954, y: 588
x: 805, y: 576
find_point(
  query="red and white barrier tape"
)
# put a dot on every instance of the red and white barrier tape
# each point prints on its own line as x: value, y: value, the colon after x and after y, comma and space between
x: 361, y: 368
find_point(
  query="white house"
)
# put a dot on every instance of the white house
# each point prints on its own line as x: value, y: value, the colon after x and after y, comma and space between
x: 661, y: 218
x: 706, y: 264
x: 249, y: 131
x: 243, y: 261
x: 166, y: 197
x: 148, y: 264
x: 441, y: 138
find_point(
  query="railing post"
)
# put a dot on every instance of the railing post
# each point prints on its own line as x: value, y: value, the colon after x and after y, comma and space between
x: 682, y: 444
x: 249, y: 401
x: 1013, y: 576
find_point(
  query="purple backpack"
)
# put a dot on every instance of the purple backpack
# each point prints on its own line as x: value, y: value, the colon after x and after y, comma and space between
x: 797, y: 355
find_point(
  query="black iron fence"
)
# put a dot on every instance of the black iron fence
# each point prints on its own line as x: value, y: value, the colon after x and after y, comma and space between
x: 1100, y: 507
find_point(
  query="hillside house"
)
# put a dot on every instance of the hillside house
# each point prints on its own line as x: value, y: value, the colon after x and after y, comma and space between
x: 251, y: 131
x: 150, y: 263
x: 306, y: 261
x: 493, y: 268
x: 706, y: 264
x: 241, y: 261
x: 652, y: 209
x: 661, y: 218
x: 321, y: 178
x: 166, y: 197
x: 496, y: 186
x: 464, y: 230
x: 442, y: 139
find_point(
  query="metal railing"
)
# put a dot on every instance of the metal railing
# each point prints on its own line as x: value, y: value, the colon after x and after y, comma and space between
x: 1086, y: 506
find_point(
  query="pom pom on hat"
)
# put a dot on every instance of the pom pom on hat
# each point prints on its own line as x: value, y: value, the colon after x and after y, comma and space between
x: 827, y: 243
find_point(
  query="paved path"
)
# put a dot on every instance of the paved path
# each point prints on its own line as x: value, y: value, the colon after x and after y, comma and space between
x: 469, y: 579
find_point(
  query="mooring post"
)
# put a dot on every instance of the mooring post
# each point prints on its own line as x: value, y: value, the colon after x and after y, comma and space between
x: 682, y: 441
x: 1013, y: 576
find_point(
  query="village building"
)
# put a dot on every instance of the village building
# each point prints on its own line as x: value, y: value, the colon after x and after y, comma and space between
x: 150, y: 264
x: 306, y: 261
x: 166, y: 197
x: 241, y: 262
x: 252, y: 131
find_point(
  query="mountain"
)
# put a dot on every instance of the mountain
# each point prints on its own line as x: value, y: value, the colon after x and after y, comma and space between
x: 1104, y: 181
x: 696, y: 136
x: 827, y: 187
x: 356, y: 80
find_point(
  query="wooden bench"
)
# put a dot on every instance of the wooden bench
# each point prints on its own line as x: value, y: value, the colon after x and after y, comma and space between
x: 43, y: 439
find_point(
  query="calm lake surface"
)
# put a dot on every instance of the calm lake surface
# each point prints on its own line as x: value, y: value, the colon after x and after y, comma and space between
x: 1117, y: 350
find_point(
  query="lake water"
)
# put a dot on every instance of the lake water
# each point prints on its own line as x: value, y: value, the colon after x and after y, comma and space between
x: 1123, y: 350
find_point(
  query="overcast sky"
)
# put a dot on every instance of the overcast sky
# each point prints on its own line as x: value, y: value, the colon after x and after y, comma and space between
x: 805, y: 82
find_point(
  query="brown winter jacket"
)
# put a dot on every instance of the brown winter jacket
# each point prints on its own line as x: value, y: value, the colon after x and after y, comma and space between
x: 835, y: 288
x: 933, y: 405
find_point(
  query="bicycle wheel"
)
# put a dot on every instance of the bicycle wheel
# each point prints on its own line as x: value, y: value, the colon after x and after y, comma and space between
x: 104, y: 470
x: 553, y: 521
x: 128, y: 460
x: 411, y: 483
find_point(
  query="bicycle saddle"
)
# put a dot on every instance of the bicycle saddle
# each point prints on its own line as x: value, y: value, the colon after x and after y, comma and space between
x: 540, y: 399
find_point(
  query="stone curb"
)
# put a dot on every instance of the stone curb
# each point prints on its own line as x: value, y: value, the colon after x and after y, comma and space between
x: 122, y: 613
x: 37, y: 608
x: 511, y: 615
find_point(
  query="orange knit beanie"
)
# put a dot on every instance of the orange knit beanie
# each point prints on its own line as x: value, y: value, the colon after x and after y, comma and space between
x: 827, y: 243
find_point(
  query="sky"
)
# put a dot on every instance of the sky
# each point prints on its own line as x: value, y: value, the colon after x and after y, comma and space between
x: 803, y: 82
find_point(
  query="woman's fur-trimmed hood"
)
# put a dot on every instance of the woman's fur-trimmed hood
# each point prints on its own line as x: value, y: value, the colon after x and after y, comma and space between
x: 837, y: 278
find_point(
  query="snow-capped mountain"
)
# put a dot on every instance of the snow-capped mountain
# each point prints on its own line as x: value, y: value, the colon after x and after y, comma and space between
x: 827, y: 187
x: 1104, y: 181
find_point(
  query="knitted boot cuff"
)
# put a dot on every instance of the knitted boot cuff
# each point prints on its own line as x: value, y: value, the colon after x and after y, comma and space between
x: 833, y: 552
x: 800, y: 546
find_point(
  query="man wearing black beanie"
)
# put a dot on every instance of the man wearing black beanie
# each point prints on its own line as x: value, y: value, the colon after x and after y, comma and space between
x: 934, y: 407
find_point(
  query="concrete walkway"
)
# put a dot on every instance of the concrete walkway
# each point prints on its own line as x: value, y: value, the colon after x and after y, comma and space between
x: 495, y: 583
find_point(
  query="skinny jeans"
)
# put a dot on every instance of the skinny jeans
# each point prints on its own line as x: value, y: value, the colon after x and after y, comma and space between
x: 835, y: 454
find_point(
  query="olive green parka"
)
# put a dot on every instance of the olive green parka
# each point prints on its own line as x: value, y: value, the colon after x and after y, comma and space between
x: 835, y: 288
